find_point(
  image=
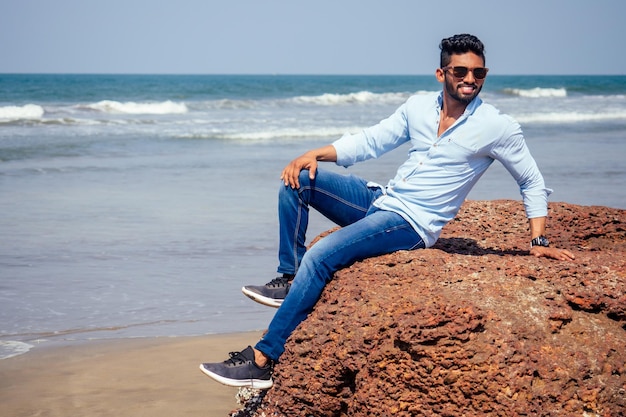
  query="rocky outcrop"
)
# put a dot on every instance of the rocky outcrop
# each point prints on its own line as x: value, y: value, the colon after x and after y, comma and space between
x: 473, y: 326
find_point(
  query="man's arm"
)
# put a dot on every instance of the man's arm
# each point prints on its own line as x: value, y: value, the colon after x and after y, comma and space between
x: 308, y: 160
x: 538, y: 228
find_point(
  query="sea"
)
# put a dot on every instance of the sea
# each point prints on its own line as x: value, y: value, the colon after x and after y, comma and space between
x: 139, y: 205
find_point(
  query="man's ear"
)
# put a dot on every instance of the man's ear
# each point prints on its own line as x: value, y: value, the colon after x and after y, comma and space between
x: 440, y: 75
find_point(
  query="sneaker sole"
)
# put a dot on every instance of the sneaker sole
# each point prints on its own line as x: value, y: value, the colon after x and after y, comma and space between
x: 266, y: 301
x: 250, y: 383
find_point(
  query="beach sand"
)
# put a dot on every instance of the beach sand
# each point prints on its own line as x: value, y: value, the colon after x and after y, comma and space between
x: 129, y: 377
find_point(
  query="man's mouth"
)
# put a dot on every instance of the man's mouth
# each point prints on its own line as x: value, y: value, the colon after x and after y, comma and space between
x: 467, y: 89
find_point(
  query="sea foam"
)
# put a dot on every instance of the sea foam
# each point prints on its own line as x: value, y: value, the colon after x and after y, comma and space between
x: 165, y: 107
x: 537, y: 92
x: 273, y: 134
x: 351, y: 98
x: 570, y: 117
x: 26, y: 112
x: 11, y: 348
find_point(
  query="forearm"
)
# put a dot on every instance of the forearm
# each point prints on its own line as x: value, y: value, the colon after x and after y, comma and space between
x: 326, y: 153
x: 537, y: 227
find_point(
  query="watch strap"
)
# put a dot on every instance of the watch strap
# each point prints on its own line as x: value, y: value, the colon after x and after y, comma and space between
x: 540, y: 241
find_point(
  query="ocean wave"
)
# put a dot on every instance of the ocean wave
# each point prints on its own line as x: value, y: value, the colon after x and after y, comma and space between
x: 570, y: 117
x: 11, y: 348
x: 536, y: 92
x: 162, y: 108
x: 322, y: 100
x: 26, y: 112
x: 70, y: 122
x: 226, y: 104
x: 361, y: 97
x: 285, y: 133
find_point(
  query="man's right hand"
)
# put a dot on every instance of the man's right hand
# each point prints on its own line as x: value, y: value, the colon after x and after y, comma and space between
x: 307, y: 161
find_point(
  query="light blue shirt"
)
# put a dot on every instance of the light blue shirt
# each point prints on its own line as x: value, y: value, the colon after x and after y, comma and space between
x: 431, y: 185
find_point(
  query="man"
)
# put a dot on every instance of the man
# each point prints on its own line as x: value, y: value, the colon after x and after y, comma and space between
x: 454, y: 138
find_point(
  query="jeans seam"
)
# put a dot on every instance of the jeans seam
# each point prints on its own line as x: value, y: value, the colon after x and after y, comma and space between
x: 296, y: 261
x: 333, y: 196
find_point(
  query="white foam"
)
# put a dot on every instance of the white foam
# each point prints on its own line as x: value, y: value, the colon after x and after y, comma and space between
x: 165, y: 107
x: 323, y: 100
x: 11, y: 348
x: 570, y: 117
x: 329, y: 99
x: 26, y: 112
x: 537, y: 92
x: 288, y: 133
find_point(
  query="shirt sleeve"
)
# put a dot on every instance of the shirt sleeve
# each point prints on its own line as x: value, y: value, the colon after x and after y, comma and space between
x: 514, y: 154
x: 374, y: 141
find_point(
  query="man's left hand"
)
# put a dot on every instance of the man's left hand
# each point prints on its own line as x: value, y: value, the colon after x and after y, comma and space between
x: 554, y: 253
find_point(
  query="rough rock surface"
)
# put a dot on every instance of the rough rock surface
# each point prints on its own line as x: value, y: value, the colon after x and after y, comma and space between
x: 473, y: 326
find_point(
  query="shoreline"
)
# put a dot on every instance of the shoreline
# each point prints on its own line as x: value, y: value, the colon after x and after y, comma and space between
x: 144, y: 376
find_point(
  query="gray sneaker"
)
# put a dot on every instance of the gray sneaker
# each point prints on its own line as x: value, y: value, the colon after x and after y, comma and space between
x: 240, y: 371
x: 271, y: 294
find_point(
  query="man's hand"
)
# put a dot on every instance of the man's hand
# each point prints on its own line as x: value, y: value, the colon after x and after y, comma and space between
x: 291, y: 174
x: 554, y: 253
x: 538, y: 228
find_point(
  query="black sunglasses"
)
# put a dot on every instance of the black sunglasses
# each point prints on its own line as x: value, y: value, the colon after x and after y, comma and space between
x: 460, y: 72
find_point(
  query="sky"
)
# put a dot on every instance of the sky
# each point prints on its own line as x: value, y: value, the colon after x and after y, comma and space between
x: 307, y: 37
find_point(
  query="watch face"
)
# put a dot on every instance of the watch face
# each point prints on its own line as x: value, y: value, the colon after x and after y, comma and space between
x: 540, y: 241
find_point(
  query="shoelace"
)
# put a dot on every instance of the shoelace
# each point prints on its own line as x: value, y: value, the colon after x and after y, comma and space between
x: 237, y: 358
x: 278, y: 282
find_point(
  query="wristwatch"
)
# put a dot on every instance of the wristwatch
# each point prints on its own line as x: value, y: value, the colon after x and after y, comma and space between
x: 540, y: 241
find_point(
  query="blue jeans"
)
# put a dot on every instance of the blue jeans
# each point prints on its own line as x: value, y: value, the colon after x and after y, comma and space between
x: 366, y: 232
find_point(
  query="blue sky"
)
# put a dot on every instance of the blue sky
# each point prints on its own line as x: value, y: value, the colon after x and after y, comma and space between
x: 312, y: 37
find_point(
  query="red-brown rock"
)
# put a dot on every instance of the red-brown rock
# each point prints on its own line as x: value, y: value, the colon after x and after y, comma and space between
x: 473, y: 326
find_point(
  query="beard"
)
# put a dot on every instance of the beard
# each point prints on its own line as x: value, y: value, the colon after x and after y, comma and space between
x: 454, y: 91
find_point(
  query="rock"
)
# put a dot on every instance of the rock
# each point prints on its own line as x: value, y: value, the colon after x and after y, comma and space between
x: 473, y: 326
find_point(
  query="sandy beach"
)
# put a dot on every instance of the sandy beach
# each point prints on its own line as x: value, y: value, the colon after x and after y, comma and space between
x: 130, y: 377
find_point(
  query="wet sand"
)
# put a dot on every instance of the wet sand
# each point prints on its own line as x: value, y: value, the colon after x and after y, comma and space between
x: 129, y: 377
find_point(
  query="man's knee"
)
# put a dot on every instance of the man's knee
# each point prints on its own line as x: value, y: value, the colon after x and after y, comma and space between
x: 304, y: 180
x: 288, y: 195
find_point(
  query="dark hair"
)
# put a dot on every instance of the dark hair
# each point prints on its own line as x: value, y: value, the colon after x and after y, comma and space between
x: 460, y: 44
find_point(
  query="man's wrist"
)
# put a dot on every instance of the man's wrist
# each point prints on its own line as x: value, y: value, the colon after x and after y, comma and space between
x: 540, y: 241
